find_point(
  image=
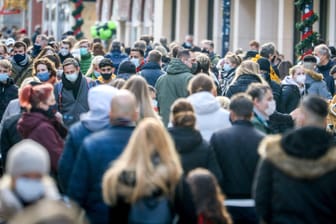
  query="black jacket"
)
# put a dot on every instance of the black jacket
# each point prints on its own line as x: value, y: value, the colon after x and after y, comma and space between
x: 241, y: 83
x: 8, y: 92
x: 325, y: 69
x: 290, y: 98
x: 9, y: 136
x: 296, y: 178
x: 236, y: 150
x: 194, y: 151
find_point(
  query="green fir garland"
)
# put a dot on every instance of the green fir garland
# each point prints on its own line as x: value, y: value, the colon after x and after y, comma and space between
x: 308, y: 37
x: 79, y: 21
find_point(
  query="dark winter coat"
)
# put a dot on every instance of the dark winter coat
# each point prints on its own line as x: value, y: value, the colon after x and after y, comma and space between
x: 194, y: 151
x: 290, y: 95
x: 325, y: 70
x: 236, y: 151
x: 46, y: 131
x: 94, y: 157
x: 8, y: 92
x: 241, y: 83
x: 172, y: 86
x: 9, y: 136
x: 295, y: 182
x: 276, y: 88
x: 151, y: 71
x: 71, y: 105
x: 20, y: 73
x: 117, y: 57
x: 280, y: 122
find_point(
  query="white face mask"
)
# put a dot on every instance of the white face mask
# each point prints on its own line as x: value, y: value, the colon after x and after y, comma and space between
x: 64, y: 51
x: 301, y: 79
x: 318, y: 60
x: 71, y: 77
x: 135, y: 61
x: 28, y: 189
x: 271, y: 108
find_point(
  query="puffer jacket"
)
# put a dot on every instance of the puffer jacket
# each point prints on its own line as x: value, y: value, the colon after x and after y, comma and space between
x: 241, y: 83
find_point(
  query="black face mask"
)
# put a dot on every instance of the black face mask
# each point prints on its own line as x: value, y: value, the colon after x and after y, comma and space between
x: 205, y: 51
x: 106, y: 76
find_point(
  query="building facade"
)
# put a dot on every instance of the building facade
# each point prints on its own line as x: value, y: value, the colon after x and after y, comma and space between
x: 261, y: 20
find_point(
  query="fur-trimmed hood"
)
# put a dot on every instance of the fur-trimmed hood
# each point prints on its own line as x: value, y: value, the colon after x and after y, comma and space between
x: 314, y: 75
x: 284, y: 154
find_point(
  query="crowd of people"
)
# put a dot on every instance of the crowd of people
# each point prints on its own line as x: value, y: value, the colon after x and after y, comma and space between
x: 165, y: 133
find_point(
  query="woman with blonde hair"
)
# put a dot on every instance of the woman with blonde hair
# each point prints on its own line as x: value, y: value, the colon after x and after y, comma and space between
x: 227, y: 73
x: 138, y: 85
x: 208, y: 198
x: 93, y: 71
x: 247, y: 72
x: 149, y: 166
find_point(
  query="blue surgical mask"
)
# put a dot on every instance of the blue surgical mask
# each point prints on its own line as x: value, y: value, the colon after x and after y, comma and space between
x: 28, y: 189
x: 135, y: 61
x: 83, y: 51
x: 43, y: 76
x: 96, y: 74
x: 227, y: 67
x: 71, y: 77
x: 3, y: 77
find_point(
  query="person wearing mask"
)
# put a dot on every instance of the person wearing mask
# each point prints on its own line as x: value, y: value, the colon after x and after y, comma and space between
x: 41, y: 42
x: 263, y: 105
x: 96, y: 154
x: 44, y: 70
x: 85, y: 56
x: 174, y: 83
x: 230, y: 63
x: 137, y: 58
x: 106, y: 69
x: 65, y: 50
x: 22, y: 64
x: 292, y: 89
x: 94, y: 71
x: 39, y: 122
x: 264, y: 66
x: 71, y: 92
x: 324, y: 64
x: 27, y: 180
x: 295, y: 180
x: 188, y: 42
x: 8, y: 90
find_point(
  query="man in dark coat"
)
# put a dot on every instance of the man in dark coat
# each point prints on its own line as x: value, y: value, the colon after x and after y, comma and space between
x: 295, y: 182
x: 115, y: 54
x: 236, y: 150
x: 151, y: 71
x: 324, y: 65
x: 96, y: 154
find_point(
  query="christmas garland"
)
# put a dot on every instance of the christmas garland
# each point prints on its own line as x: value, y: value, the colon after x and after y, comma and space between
x: 308, y: 37
x: 76, y: 13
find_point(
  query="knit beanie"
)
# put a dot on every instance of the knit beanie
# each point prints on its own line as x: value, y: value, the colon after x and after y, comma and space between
x: 27, y: 156
x: 127, y: 67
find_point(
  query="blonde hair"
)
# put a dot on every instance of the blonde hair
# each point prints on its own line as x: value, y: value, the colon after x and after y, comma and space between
x: 95, y: 61
x: 149, y: 139
x: 138, y: 85
x: 6, y: 64
x: 248, y: 67
x: 293, y: 69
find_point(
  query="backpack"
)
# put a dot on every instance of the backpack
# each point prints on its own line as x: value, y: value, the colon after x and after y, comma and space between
x: 151, y: 210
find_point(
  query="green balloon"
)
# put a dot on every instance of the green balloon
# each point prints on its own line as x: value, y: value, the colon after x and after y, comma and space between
x: 105, y: 34
x: 93, y: 30
x: 112, y: 25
